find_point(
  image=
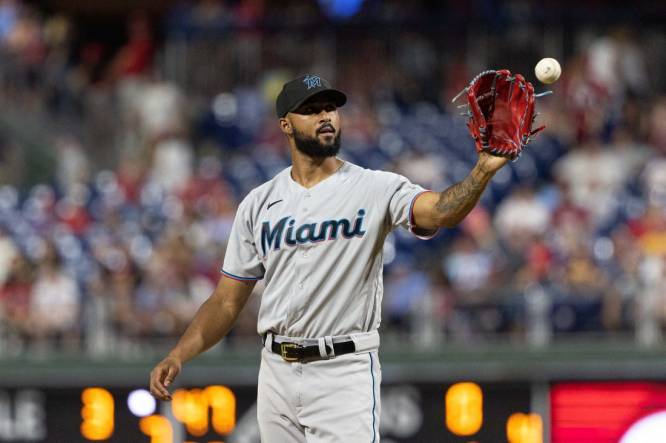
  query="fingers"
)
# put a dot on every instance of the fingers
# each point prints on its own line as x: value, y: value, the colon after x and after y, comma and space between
x: 171, y: 374
x: 157, y: 388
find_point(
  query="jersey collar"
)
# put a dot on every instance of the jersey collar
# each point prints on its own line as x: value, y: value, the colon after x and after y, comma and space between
x: 337, y: 177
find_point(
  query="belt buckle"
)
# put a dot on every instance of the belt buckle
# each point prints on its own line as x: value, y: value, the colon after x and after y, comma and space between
x: 283, y: 351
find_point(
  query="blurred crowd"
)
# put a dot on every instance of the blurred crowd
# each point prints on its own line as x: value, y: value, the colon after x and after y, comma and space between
x: 149, y: 145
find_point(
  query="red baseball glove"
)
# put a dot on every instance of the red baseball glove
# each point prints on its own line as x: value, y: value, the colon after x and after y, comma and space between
x: 500, y: 107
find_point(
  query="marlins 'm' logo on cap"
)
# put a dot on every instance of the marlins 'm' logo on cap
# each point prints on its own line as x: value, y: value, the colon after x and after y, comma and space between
x: 300, y: 89
x: 312, y: 81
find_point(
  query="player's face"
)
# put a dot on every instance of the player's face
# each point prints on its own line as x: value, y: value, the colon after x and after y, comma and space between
x: 316, y: 128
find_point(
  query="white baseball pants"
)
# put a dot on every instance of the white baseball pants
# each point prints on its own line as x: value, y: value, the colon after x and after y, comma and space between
x: 335, y: 400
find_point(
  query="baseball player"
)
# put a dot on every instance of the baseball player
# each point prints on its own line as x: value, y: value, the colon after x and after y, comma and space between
x: 315, y: 235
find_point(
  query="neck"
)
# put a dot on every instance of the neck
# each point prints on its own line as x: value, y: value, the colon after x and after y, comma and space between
x: 308, y: 171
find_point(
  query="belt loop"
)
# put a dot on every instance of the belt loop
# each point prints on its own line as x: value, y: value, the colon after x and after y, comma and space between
x: 321, y: 342
x: 269, y: 341
x: 329, y: 344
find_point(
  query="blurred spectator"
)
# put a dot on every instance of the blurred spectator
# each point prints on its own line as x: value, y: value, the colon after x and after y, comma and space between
x: 160, y: 110
x: 583, y: 278
x: 136, y: 57
x: 405, y: 290
x: 172, y: 164
x: 522, y: 214
x: 650, y: 231
x: 572, y: 225
x: 8, y: 255
x: 536, y: 266
x: 8, y: 18
x: 26, y: 43
x: 97, y: 324
x: 654, y: 182
x: 595, y: 174
x: 469, y: 270
x: 617, y: 64
x: 625, y: 285
x: 15, y: 293
x: 72, y: 165
x: 54, y: 302
x: 657, y: 130
x: 122, y: 286
x: 164, y: 303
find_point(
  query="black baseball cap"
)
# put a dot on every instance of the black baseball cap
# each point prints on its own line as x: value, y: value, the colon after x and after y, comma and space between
x: 297, y: 91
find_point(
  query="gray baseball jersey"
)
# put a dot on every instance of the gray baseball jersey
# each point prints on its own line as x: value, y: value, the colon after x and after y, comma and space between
x: 320, y: 249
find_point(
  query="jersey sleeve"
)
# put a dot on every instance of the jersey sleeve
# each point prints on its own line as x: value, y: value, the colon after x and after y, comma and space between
x: 402, y: 195
x: 241, y: 260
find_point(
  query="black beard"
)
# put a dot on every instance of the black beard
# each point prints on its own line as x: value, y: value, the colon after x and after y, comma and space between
x: 312, y: 147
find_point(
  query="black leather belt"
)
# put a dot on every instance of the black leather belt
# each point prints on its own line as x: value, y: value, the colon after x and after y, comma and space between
x: 294, y: 352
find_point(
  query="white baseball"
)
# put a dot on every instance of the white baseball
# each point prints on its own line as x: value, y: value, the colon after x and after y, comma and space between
x: 548, y: 70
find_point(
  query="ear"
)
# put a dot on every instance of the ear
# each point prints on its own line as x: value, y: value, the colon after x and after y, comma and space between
x: 285, y: 126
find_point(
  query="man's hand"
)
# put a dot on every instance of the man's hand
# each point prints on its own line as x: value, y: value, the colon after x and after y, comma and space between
x: 489, y: 163
x: 162, y: 376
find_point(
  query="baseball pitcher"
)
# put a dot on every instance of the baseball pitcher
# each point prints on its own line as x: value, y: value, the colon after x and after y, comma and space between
x: 315, y: 235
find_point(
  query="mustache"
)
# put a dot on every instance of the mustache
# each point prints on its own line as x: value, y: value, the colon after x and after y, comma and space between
x: 325, y: 126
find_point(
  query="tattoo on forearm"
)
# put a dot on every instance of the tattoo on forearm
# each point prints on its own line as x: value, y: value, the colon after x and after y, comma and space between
x: 456, y: 201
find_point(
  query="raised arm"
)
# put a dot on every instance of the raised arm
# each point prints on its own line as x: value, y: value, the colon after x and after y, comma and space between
x: 433, y: 210
x: 211, y: 323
